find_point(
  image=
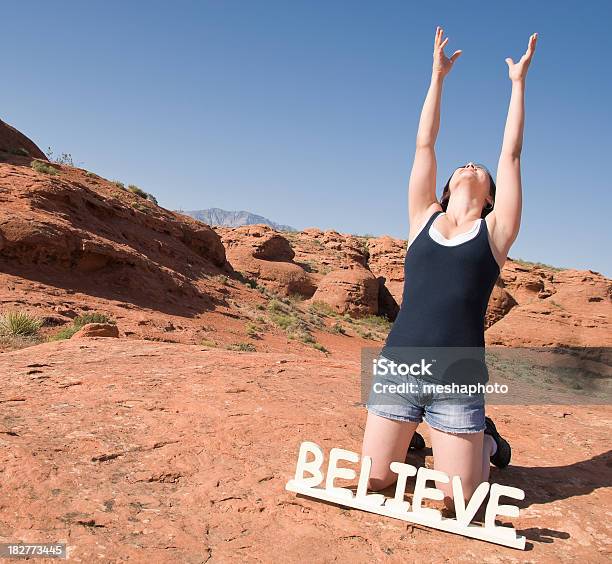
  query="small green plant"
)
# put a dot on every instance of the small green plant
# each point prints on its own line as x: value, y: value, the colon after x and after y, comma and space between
x: 65, y: 333
x: 306, y: 338
x: 119, y: 184
x: 92, y: 317
x: 90, y: 174
x: 283, y: 320
x: 276, y: 306
x: 21, y: 152
x: 19, y: 323
x: 321, y: 308
x: 320, y: 347
x: 152, y: 198
x: 338, y: 329
x: 252, y: 330
x: 207, y: 343
x: 366, y: 335
x: 43, y: 167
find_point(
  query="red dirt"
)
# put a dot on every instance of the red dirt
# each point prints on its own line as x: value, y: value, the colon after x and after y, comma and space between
x: 138, y: 451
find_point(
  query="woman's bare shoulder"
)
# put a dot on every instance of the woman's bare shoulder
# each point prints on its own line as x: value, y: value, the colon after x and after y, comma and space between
x: 419, y: 220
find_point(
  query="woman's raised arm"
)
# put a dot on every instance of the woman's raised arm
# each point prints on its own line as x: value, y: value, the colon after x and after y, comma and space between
x: 422, y: 184
x: 505, y: 218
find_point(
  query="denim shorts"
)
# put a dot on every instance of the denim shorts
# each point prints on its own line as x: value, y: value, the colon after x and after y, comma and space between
x: 442, y: 410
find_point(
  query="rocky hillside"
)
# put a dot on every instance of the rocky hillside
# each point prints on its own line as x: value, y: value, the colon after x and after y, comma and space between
x: 74, y: 243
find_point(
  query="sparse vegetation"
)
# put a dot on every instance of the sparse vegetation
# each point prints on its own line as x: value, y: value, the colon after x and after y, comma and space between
x: 21, y: 152
x: 252, y: 330
x: 93, y: 317
x: 208, y: 343
x: 250, y: 282
x: 19, y: 324
x: 43, y: 167
x: 321, y: 308
x: 530, y: 264
x: 222, y: 279
x: 140, y: 207
x: 287, y: 317
x: 119, y: 184
x: 135, y: 190
x: 366, y: 334
x: 141, y: 193
x: 62, y: 158
x: 377, y: 322
x: 243, y: 347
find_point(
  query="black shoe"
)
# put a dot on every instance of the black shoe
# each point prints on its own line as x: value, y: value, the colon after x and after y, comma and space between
x: 502, y: 455
x: 417, y: 442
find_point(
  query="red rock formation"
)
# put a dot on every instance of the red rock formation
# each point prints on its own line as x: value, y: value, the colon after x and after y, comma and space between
x: 500, y: 304
x: 71, y: 242
x: 16, y: 143
x: 96, y: 330
x: 387, y: 263
x: 576, y: 309
x: 259, y: 252
x: 349, y: 290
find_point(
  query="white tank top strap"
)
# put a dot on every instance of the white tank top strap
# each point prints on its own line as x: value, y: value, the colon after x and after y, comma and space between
x: 457, y: 239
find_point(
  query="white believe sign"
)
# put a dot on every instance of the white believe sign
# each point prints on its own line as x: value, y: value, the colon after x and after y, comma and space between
x: 397, y: 507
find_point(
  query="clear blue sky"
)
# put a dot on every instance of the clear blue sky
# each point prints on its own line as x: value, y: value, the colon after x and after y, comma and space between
x: 306, y: 111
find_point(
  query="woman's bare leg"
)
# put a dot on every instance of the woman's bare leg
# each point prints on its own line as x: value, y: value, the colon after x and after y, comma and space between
x: 465, y: 455
x: 385, y: 441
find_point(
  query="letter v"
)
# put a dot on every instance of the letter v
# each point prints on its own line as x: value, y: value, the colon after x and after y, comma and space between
x: 466, y: 514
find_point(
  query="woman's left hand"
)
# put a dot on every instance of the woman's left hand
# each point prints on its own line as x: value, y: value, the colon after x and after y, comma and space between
x: 518, y: 71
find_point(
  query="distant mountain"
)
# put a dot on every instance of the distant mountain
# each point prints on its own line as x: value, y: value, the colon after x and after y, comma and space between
x: 217, y: 216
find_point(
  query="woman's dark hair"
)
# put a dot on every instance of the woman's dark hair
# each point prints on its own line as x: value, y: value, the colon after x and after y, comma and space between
x: 446, y: 193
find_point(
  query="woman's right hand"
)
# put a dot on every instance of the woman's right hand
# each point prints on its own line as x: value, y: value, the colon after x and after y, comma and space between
x: 441, y: 63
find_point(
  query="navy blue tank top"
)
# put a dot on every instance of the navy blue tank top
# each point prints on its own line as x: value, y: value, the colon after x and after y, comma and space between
x: 446, y: 293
